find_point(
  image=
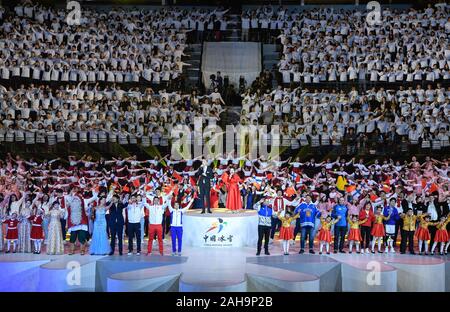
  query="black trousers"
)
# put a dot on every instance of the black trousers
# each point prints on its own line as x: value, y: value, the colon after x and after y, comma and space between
x: 398, y: 227
x: 205, y: 196
x: 339, y: 237
x: 108, y: 227
x: 263, y: 233
x: 63, y: 228
x: 116, y: 229
x: 407, y: 238
x: 297, y: 228
x: 134, y: 230
x: 145, y: 226
x: 365, y: 235
x: 276, y: 223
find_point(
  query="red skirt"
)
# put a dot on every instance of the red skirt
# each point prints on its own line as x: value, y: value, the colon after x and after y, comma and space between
x: 324, y: 236
x: 12, y: 234
x: 214, y: 198
x: 286, y: 233
x: 423, y: 234
x: 354, y: 235
x: 378, y: 230
x: 36, y: 232
x: 441, y: 236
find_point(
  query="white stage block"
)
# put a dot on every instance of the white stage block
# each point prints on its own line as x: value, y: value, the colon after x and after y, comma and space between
x: 220, y: 229
x: 417, y: 278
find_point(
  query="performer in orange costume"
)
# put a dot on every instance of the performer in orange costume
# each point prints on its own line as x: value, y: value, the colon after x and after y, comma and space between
x: 422, y: 233
x: 354, y: 236
x: 324, y: 236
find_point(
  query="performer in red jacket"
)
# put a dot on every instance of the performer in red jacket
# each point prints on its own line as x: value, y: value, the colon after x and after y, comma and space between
x: 366, y: 213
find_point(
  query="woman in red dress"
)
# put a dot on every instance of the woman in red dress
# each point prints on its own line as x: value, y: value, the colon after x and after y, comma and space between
x: 234, y: 201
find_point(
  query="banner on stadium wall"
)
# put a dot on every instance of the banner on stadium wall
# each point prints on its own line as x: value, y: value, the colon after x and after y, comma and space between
x: 220, y: 232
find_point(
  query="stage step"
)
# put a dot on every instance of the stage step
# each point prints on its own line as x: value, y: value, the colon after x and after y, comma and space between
x: 193, y: 72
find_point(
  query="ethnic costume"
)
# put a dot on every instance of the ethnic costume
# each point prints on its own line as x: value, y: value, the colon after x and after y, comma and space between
x: 77, y: 220
x: 354, y: 236
x: 324, y: 236
x: 378, y: 226
x: 286, y: 232
x: 407, y: 233
x: 378, y: 231
x: 423, y: 233
x: 325, y: 230
x: 441, y: 236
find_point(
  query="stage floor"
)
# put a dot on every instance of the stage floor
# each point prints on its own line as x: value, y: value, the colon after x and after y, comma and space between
x: 225, y: 269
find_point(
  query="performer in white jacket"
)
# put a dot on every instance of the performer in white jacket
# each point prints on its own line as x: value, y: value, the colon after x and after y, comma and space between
x: 156, y: 211
x: 176, y: 226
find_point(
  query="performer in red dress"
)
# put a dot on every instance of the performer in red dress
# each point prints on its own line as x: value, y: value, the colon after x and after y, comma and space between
x: 441, y: 235
x: 37, y: 234
x: 354, y: 237
x: 378, y: 231
x: 423, y: 233
x: 286, y: 232
x: 324, y: 236
x: 234, y: 201
x: 12, y: 234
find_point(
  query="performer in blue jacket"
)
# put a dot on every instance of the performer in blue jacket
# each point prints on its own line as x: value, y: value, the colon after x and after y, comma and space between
x: 340, y: 228
x: 390, y: 224
x: 264, y: 224
x: 308, y: 214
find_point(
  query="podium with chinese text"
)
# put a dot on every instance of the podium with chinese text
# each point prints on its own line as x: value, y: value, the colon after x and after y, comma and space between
x: 220, y: 229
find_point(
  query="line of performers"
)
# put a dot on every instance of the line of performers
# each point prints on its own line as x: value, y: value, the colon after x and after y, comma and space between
x: 95, y: 200
x: 368, y: 231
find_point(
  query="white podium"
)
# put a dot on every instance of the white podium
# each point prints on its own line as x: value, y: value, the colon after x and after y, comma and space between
x: 220, y: 229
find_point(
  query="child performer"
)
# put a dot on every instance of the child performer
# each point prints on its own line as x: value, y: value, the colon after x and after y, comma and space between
x: 441, y: 235
x: 176, y: 225
x: 37, y: 234
x: 12, y: 233
x: 286, y: 232
x: 423, y: 234
x: 378, y: 229
x: 354, y: 236
x: 324, y: 236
